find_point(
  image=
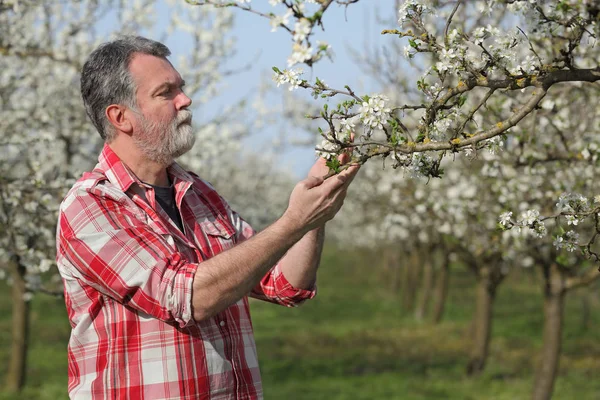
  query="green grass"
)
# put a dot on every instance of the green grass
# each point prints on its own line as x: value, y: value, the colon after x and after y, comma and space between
x: 353, y: 341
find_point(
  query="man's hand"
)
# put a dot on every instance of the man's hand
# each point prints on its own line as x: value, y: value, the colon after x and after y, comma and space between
x: 232, y: 274
x: 320, y: 168
x: 315, y: 201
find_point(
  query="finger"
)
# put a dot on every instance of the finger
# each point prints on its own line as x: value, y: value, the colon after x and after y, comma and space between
x: 312, y: 181
x: 338, y: 180
x: 349, y: 174
x: 320, y: 161
x: 344, y: 157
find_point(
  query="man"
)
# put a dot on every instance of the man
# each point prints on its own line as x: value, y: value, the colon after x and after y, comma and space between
x: 156, y: 266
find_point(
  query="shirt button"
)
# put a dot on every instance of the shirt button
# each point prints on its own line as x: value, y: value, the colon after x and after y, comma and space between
x: 222, y: 323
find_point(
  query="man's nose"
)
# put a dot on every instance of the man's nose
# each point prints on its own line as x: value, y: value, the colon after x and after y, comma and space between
x: 183, y: 101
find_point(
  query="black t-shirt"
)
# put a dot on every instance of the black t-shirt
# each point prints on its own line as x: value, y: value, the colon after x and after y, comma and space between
x: 165, y: 196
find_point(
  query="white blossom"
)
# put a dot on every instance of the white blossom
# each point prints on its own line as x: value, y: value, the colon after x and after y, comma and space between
x: 291, y: 76
x: 278, y: 20
x: 301, y: 53
x: 374, y: 112
x: 302, y: 29
x: 505, y: 218
x: 529, y: 217
x: 328, y: 149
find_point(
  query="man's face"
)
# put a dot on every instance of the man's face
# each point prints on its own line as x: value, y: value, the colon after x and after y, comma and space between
x: 163, y: 128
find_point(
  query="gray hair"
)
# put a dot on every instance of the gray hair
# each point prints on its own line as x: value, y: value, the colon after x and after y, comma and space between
x: 106, y: 80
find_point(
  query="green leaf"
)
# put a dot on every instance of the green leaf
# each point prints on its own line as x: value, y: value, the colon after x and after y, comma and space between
x: 334, y: 164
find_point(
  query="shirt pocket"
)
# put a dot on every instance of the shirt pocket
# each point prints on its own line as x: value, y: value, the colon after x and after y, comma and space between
x: 218, y: 233
x: 218, y: 227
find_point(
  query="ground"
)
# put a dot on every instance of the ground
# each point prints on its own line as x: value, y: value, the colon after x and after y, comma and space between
x: 353, y: 341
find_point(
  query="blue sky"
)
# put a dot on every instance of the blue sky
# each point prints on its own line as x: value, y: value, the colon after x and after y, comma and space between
x: 344, y: 28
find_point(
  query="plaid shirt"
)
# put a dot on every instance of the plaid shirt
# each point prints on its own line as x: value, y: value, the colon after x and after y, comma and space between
x: 128, y: 273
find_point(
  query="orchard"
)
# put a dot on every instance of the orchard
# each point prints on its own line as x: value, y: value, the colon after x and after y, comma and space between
x: 479, y: 151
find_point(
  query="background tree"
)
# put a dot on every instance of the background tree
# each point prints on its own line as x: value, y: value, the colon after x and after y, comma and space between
x: 494, y: 69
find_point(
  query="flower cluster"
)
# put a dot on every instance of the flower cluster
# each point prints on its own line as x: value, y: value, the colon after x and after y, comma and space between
x: 530, y: 221
x: 374, y: 112
x: 574, y: 207
x: 301, y: 53
x: 328, y: 149
x: 290, y: 76
x: 411, y: 9
x: 572, y: 204
x: 568, y: 241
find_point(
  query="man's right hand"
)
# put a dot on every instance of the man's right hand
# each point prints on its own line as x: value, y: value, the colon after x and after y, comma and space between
x: 315, y: 201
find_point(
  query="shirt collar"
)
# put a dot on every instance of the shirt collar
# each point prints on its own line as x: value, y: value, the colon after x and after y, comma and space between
x: 119, y: 174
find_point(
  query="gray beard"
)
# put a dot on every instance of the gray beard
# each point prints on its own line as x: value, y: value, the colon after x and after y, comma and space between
x: 163, y: 142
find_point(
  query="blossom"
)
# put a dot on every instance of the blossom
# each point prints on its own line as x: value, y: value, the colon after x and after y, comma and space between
x: 447, y: 60
x: 278, y: 20
x: 572, y: 236
x: 571, y: 220
x: 529, y: 217
x: 540, y: 229
x: 479, y: 34
x: 327, y: 149
x: 505, y: 219
x: 410, y: 8
x: 290, y: 76
x: 373, y: 112
x: 300, y: 54
x: 324, y: 48
x: 302, y: 29
x: 572, y: 203
x: 347, y: 124
x: 495, y: 144
x: 559, y: 242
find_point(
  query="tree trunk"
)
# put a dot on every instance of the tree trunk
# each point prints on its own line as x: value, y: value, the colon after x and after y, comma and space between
x: 426, y: 286
x: 482, y: 321
x: 554, y: 299
x: 20, y: 329
x: 441, y: 290
x: 585, y: 312
x: 410, y: 281
x: 588, y: 302
x: 391, y: 268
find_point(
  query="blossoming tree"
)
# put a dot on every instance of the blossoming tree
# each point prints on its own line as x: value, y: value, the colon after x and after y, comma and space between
x: 508, y: 75
x: 469, y: 68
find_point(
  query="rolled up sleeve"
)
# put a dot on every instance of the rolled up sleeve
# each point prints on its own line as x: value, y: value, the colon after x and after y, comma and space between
x: 275, y: 288
x: 104, y: 245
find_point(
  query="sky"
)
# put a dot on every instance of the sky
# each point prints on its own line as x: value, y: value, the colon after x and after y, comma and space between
x: 345, y: 28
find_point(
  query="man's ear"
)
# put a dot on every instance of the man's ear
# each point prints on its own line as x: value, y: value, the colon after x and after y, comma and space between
x: 118, y: 118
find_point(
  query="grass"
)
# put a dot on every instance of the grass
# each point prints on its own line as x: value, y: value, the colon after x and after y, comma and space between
x: 353, y: 341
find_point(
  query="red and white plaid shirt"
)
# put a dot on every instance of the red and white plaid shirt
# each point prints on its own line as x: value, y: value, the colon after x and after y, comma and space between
x: 128, y: 272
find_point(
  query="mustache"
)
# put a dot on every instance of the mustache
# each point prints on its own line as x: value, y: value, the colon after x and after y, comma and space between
x: 183, y: 117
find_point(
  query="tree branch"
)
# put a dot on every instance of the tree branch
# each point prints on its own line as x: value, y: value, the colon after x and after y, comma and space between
x: 588, y: 277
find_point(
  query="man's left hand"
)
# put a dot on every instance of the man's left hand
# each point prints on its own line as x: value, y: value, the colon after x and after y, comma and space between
x: 320, y: 168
